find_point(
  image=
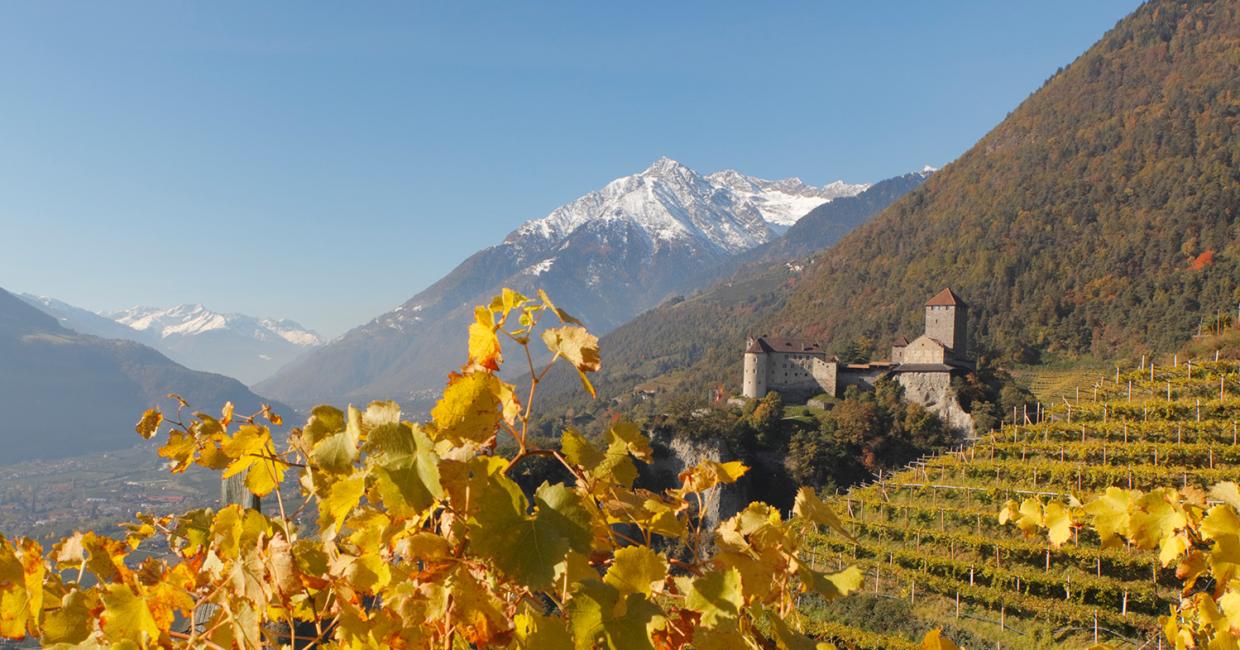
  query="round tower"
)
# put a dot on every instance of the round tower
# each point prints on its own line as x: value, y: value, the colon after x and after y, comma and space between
x: 754, y: 381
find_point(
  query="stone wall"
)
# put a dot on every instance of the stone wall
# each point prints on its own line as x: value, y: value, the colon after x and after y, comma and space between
x: 933, y: 390
x: 802, y: 374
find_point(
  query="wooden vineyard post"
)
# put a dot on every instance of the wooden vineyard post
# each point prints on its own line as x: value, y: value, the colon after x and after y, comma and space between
x: 957, y: 603
x: 970, y: 576
x: 233, y: 490
x: 1095, y: 626
x: 1002, y: 612
x: 1048, y: 557
x: 1123, y: 608
x: 876, y: 578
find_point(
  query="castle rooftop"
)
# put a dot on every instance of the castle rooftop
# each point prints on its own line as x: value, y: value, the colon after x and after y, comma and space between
x: 946, y: 298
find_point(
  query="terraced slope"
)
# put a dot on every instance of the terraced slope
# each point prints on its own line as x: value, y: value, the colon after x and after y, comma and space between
x: 929, y: 536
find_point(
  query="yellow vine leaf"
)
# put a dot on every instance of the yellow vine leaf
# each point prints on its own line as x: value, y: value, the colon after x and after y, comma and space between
x: 1224, y: 558
x: 251, y: 449
x: 1031, y: 517
x: 809, y: 506
x: 470, y: 408
x: 601, y: 617
x: 21, y: 587
x: 180, y: 449
x: 342, y: 497
x: 479, y: 612
x: 1229, y: 603
x: 484, y: 348
x: 832, y: 585
x: 708, y: 473
x: 126, y: 616
x: 636, y: 570
x: 1156, y: 515
x: 1171, y: 548
x: 1220, y: 521
x: 1228, y: 493
x: 527, y: 548
x: 1010, y: 512
x: 71, y: 622
x: 1058, y: 520
x: 506, y: 301
x: 934, y: 640
x: 564, y: 316
x: 716, y: 596
x: 577, y: 346
x: 634, y: 441
x: 534, y: 631
x: 405, y: 467
x: 1111, y: 515
x: 149, y: 424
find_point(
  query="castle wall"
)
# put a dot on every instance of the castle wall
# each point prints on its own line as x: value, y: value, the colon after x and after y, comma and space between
x: 933, y: 390
x: 801, y: 373
x: 862, y: 378
x: 923, y: 349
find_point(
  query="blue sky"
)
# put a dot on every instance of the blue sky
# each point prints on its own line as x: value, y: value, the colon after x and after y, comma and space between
x: 325, y: 161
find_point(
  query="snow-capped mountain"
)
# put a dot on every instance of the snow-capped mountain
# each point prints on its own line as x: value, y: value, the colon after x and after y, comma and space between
x: 237, y: 345
x: 670, y: 202
x: 605, y: 256
x: 783, y: 202
x: 192, y: 320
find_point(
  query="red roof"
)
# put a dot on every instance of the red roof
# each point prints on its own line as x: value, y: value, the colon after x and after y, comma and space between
x: 945, y: 298
x: 900, y: 342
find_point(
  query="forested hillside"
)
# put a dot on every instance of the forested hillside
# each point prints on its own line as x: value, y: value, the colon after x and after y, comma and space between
x: 1099, y: 217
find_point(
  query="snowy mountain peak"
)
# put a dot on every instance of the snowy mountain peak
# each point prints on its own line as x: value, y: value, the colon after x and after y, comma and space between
x: 193, y: 320
x: 725, y: 212
x: 663, y: 166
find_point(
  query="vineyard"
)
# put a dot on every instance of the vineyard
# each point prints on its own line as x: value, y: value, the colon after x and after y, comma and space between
x: 929, y: 536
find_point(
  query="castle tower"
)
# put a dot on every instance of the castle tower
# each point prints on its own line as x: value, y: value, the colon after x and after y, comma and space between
x: 753, y: 384
x: 947, y: 321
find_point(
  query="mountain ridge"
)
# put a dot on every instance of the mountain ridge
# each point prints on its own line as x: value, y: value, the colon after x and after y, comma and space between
x: 237, y: 345
x: 67, y: 393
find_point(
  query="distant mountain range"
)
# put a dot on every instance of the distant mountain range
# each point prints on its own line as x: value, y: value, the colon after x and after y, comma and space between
x: 607, y: 256
x: 1100, y: 217
x: 236, y: 345
x: 66, y: 393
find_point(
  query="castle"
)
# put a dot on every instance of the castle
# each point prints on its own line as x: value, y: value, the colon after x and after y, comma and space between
x: 924, y: 367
